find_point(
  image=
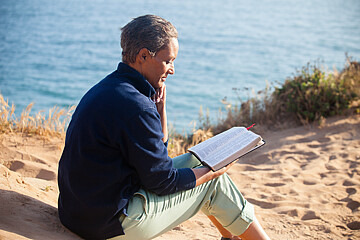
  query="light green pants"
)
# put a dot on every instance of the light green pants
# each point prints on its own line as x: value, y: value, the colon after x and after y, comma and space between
x: 150, y: 215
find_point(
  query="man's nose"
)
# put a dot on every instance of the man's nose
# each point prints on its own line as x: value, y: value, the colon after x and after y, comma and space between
x: 171, y: 69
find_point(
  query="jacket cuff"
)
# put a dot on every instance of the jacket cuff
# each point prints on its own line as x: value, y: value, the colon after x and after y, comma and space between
x: 187, y: 179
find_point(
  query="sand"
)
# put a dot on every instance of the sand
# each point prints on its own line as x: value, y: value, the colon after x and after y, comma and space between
x: 304, y: 184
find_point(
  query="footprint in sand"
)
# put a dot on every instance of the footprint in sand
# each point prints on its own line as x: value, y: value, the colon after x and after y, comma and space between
x: 292, y: 212
x: 15, y: 165
x: 304, y: 140
x: 330, y: 167
x: 348, y: 183
x: 46, y: 175
x: 309, y: 215
x: 262, y: 204
x: 353, y: 164
x: 323, y: 139
x: 315, y: 145
x: 274, y: 184
x: 354, y: 225
x: 353, y: 205
x: 276, y: 175
x: 310, y: 182
x: 31, y: 169
x: 311, y: 156
x: 351, y: 191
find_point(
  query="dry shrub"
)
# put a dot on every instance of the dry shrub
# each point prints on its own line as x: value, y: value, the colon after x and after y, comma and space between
x: 350, y: 78
x: 179, y: 144
x: 52, y: 124
x: 258, y: 108
x: 6, y: 115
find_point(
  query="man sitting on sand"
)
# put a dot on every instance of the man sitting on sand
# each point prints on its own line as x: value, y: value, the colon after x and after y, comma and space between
x: 115, y: 177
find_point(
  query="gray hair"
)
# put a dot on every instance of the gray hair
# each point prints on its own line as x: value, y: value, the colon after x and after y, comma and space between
x: 150, y: 32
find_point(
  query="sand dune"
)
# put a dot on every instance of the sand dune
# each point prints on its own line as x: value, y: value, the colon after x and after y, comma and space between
x: 304, y: 184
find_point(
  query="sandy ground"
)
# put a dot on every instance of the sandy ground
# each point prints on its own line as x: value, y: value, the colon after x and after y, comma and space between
x: 304, y: 184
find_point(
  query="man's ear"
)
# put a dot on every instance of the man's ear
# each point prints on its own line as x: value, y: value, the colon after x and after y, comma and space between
x: 143, y: 55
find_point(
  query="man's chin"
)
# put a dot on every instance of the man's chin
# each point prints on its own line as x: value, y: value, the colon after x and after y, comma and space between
x: 160, y: 84
x: 156, y: 85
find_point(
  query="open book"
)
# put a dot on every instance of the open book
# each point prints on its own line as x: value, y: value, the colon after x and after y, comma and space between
x: 226, y: 147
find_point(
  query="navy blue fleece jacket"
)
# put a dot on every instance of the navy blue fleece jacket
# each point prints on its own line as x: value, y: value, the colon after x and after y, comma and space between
x: 113, y: 148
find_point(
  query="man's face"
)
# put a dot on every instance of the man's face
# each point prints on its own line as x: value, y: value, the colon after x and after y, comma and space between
x: 157, y: 68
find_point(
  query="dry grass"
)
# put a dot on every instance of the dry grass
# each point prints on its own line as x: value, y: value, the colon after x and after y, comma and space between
x: 6, y: 115
x: 52, y: 124
x: 178, y: 144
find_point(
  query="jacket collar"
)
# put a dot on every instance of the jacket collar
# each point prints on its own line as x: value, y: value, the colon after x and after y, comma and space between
x: 136, y: 79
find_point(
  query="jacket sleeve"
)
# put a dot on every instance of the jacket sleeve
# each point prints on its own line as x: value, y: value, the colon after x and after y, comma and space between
x: 148, y: 155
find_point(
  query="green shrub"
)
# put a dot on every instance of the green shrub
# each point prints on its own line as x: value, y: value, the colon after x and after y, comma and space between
x: 312, y: 94
x: 308, y: 96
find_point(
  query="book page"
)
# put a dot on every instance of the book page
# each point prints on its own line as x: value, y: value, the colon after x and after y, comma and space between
x: 226, y: 147
x: 216, y: 143
x: 240, y: 145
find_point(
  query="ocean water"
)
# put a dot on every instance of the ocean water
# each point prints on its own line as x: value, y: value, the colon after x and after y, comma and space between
x: 52, y: 52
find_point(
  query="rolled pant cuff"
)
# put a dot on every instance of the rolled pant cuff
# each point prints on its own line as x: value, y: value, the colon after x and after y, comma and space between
x: 240, y: 224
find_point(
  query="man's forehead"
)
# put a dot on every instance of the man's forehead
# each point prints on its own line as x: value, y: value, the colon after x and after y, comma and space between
x: 171, y: 49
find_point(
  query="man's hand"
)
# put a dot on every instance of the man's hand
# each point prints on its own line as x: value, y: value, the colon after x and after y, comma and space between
x: 204, y: 174
x: 160, y: 96
x: 160, y: 101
